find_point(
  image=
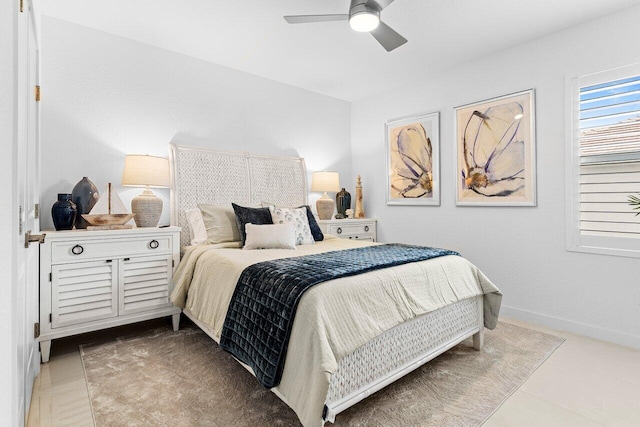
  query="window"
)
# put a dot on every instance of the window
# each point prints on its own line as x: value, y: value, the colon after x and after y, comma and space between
x: 604, y: 162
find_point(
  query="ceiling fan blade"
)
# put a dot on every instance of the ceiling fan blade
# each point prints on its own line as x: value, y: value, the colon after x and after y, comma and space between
x: 381, y: 3
x: 387, y: 37
x: 305, y: 19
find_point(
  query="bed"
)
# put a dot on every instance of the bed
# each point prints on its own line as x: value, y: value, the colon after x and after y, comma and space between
x: 351, y: 336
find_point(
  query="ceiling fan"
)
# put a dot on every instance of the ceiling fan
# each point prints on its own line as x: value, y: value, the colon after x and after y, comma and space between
x: 363, y: 16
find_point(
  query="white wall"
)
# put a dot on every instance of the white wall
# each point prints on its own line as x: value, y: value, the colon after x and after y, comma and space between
x: 521, y: 249
x: 106, y: 96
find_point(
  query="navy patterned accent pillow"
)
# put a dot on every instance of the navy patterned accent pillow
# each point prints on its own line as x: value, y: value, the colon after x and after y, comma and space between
x: 245, y: 215
x: 313, y: 225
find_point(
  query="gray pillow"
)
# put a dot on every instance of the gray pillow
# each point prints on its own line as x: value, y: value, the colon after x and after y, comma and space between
x: 245, y: 215
x: 220, y: 223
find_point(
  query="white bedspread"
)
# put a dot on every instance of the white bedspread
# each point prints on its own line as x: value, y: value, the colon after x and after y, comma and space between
x: 333, y: 318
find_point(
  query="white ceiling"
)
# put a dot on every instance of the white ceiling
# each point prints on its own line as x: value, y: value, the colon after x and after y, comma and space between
x: 329, y: 58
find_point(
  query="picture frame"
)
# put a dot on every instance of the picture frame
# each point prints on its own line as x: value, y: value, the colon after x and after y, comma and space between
x: 496, y: 151
x: 413, y: 160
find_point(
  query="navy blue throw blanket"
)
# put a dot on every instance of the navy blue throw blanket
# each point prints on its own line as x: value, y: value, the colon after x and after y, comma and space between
x: 260, y: 316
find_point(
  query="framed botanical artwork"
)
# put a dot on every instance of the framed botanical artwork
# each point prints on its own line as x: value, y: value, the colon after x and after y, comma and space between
x: 413, y: 160
x: 496, y: 151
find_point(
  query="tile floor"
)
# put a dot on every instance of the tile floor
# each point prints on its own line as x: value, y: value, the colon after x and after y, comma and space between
x: 585, y: 382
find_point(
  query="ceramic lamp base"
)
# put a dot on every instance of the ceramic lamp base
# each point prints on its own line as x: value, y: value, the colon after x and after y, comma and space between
x: 147, y: 209
x: 324, y: 206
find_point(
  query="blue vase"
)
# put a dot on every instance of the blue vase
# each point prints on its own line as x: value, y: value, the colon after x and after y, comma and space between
x: 343, y: 202
x: 85, y: 195
x: 64, y: 212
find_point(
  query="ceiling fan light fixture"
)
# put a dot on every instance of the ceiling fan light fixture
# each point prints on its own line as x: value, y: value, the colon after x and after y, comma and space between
x: 365, y: 20
x: 364, y: 16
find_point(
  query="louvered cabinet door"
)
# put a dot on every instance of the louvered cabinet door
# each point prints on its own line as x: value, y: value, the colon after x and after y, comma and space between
x: 83, y: 292
x: 144, y: 283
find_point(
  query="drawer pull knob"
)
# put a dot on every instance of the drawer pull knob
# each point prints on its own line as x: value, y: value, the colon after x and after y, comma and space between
x: 366, y: 228
x: 339, y: 230
x: 77, y: 250
x: 126, y: 259
x: 154, y: 244
x: 350, y: 237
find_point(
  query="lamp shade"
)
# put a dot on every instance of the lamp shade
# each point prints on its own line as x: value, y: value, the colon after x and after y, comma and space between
x: 325, y: 181
x: 145, y: 170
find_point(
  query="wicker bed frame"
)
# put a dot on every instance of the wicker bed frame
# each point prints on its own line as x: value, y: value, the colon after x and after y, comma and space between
x: 200, y: 175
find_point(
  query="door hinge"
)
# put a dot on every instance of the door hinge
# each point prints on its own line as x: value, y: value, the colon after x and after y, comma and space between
x: 36, y: 210
x: 20, y: 221
x: 50, y: 318
x: 173, y: 263
x: 38, y: 93
x: 36, y: 330
x: 50, y: 277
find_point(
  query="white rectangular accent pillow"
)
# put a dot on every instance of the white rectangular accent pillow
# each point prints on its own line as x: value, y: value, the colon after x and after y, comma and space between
x: 270, y: 236
x: 220, y: 223
x: 197, y: 230
x: 298, y: 218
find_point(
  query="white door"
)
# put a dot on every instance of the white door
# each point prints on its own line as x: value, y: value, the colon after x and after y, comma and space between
x: 28, y: 167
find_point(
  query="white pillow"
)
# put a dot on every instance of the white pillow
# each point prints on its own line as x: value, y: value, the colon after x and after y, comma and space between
x: 270, y: 236
x: 197, y: 230
x: 298, y: 218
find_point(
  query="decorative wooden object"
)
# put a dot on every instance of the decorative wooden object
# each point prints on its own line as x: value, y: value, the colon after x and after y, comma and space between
x: 108, y: 213
x: 359, y: 208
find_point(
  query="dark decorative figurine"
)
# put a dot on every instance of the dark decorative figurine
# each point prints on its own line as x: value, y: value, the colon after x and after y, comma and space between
x: 343, y: 202
x: 64, y: 212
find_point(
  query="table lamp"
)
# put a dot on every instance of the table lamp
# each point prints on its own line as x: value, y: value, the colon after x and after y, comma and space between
x: 146, y: 171
x: 322, y: 182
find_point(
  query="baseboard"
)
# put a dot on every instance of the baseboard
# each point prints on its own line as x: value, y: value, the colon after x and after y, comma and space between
x: 571, y: 326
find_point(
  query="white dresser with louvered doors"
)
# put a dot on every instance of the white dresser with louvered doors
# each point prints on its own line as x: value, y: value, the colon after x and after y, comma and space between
x: 91, y: 280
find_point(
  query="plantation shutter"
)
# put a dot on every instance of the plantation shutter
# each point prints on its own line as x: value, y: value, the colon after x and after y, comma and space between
x: 609, y: 144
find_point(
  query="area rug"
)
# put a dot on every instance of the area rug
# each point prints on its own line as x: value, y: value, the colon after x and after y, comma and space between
x: 163, y: 378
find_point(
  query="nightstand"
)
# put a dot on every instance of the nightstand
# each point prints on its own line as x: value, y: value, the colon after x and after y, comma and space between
x: 357, y: 228
x: 91, y: 280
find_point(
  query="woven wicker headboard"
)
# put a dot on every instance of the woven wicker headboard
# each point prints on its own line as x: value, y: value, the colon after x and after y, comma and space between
x: 201, y: 175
